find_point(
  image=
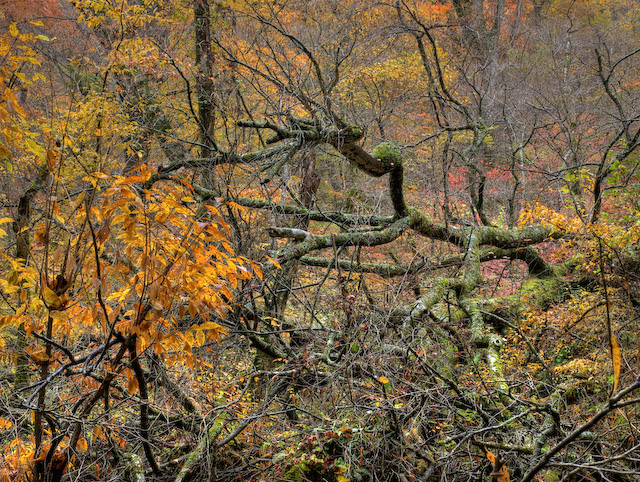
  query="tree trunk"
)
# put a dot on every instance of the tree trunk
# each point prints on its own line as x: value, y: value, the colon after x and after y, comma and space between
x: 205, y: 63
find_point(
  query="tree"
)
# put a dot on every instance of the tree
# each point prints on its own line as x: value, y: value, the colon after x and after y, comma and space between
x: 394, y: 226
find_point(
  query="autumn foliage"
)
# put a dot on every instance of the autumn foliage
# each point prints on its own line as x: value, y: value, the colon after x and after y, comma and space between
x: 306, y: 240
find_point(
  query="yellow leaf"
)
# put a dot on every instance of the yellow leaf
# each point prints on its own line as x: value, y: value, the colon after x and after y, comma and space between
x: 200, y: 337
x: 383, y: 380
x: 5, y: 153
x: 342, y: 478
x: 5, y: 220
x: 4, y: 424
x: 51, y: 298
x: 59, y: 316
x: 39, y: 354
x: 79, y: 199
x: 616, y: 357
x: 13, y: 29
x: 209, y: 325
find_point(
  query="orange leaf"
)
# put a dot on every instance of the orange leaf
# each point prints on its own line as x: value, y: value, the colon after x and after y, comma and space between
x: 82, y: 445
x: 501, y: 473
x: 132, y: 384
x: 273, y: 262
x: 616, y: 356
x: 51, y: 160
x: 504, y: 474
x: 491, y: 456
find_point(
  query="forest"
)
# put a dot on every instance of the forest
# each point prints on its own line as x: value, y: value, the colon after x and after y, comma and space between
x: 319, y: 240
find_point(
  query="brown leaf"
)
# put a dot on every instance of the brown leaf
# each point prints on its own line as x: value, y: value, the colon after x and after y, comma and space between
x: 103, y: 234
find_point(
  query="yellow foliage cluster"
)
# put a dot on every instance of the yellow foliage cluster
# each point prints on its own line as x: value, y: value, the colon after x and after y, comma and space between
x: 16, y: 55
x: 539, y: 213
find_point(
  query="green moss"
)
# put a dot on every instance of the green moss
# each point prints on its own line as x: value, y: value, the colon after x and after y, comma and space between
x: 457, y: 315
x: 295, y: 474
x: 542, y: 292
x: 356, y: 132
x: 389, y: 153
x: 552, y: 476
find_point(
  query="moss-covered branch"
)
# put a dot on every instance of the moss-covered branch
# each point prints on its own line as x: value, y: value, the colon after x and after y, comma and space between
x: 414, y: 312
x: 134, y: 470
x: 346, y: 141
x: 368, y: 238
x: 291, y: 233
x: 505, y: 238
x: 382, y: 269
x: 221, y: 158
x: 537, y: 266
x: 339, y: 218
x: 202, y: 449
x: 162, y: 378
